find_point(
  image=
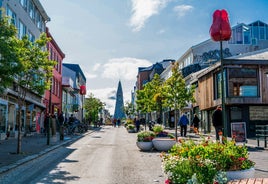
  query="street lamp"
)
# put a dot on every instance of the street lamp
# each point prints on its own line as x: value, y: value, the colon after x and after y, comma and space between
x: 220, y: 30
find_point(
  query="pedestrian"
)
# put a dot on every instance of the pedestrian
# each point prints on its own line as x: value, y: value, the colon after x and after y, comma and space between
x: 114, y: 122
x: 137, y: 124
x: 195, y: 123
x: 183, y: 122
x: 118, y: 122
x: 46, y: 124
x: 61, y: 124
x: 217, y: 121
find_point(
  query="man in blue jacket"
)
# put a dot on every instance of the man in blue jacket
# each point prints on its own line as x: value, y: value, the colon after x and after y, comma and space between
x: 183, y: 122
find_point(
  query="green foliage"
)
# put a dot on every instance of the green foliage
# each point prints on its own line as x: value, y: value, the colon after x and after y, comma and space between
x: 130, y: 127
x: 145, y: 136
x: 150, y: 97
x: 158, y: 128
x: 176, y: 92
x: 9, y: 61
x: 36, y: 68
x: 92, y: 107
x: 129, y: 109
x: 208, y: 161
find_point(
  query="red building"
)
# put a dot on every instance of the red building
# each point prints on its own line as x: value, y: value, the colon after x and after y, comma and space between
x: 57, y: 55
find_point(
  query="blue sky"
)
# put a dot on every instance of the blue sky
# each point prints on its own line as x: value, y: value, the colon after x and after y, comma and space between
x: 110, y: 39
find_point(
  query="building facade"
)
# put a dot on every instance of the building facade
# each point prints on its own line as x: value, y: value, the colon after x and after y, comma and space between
x: 30, y: 19
x: 54, y: 105
x: 73, y: 79
x: 245, y: 88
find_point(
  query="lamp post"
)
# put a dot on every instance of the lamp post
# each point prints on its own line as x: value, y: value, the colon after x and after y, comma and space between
x: 223, y: 93
x: 49, y: 122
x: 220, y: 30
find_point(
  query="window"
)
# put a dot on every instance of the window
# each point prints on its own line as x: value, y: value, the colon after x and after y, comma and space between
x: 243, y: 82
x: 236, y: 113
x: 21, y: 30
x: 38, y: 21
x: 24, y: 4
x: 31, y: 37
x: 217, y: 84
x: 31, y: 10
x: 262, y: 33
x: 12, y: 16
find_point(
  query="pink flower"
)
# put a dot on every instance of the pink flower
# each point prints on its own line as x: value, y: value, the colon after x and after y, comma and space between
x: 168, y: 181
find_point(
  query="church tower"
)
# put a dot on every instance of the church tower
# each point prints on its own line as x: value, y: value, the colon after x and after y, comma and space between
x: 119, y: 104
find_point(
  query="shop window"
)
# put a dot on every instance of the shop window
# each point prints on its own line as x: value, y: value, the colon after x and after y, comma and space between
x: 243, y: 82
x: 3, y: 109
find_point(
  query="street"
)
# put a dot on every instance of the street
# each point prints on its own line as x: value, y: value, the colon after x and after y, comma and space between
x: 108, y: 156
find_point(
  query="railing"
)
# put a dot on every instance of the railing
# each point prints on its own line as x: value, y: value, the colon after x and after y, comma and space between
x: 262, y: 134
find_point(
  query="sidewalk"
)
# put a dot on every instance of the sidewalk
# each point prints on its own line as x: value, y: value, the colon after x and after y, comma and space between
x: 31, y: 147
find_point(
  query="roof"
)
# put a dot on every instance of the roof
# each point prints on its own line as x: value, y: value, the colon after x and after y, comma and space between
x: 75, y: 67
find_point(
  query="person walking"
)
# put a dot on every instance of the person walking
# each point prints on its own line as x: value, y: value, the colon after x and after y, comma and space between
x: 195, y: 123
x: 183, y: 122
x: 137, y: 123
x: 46, y: 124
x: 217, y: 121
x: 61, y: 124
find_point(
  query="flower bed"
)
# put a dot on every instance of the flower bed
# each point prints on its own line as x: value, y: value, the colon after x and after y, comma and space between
x: 204, y: 162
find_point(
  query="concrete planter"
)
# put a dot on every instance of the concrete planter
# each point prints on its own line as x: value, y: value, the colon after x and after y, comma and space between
x: 163, y: 144
x: 241, y: 174
x: 145, y: 146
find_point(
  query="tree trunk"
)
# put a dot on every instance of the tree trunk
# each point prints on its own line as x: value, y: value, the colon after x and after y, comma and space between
x: 176, y: 124
x: 19, y: 132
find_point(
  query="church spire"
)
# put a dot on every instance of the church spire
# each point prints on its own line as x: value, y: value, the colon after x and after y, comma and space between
x: 119, y: 104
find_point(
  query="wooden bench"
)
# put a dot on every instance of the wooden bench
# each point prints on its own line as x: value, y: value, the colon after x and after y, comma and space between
x: 250, y: 181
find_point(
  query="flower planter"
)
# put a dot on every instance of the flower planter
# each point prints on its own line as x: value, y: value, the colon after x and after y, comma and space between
x: 131, y: 131
x: 241, y: 174
x: 145, y: 146
x: 163, y: 144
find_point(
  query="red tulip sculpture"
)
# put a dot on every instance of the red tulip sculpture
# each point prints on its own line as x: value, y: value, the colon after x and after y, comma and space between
x: 83, y: 90
x: 220, y: 29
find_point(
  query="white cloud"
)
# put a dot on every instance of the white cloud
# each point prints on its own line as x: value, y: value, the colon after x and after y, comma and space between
x: 96, y: 66
x: 89, y: 75
x: 181, y: 10
x: 104, y: 94
x: 123, y: 68
x: 142, y: 10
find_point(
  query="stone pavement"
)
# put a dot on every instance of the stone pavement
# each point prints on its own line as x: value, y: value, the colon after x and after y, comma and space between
x: 31, y: 147
x: 36, y: 145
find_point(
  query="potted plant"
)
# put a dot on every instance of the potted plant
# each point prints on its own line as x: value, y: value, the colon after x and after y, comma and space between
x: 130, y: 128
x: 206, y: 162
x: 144, y: 140
x: 163, y: 140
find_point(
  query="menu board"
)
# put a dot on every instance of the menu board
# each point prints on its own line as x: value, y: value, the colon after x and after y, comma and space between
x: 238, y: 130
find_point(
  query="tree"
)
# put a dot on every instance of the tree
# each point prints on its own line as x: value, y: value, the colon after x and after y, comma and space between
x: 9, y: 62
x: 92, y: 107
x: 150, y: 98
x: 35, y: 72
x: 158, y: 96
x: 144, y: 100
x: 176, y: 93
x: 129, y: 109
